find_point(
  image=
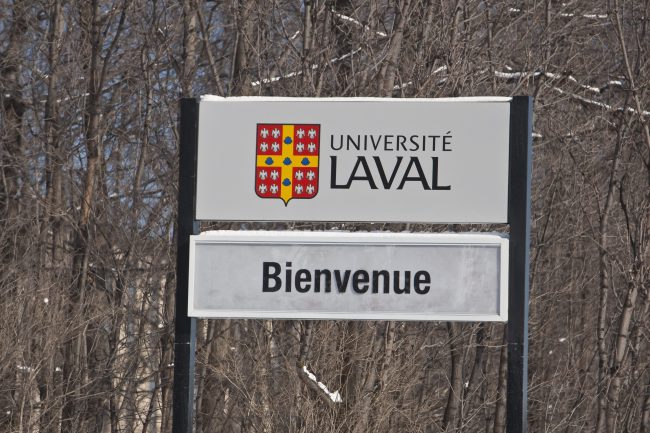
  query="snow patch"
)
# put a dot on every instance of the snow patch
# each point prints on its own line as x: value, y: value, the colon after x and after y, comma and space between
x: 334, y: 396
x: 359, y: 24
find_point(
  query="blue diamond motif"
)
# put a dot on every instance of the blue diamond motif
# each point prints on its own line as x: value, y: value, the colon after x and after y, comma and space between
x: 305, y: 161
x: 269, y: 161
x: 286, y: 182
x: 287, y: 140
x: 287, y: 161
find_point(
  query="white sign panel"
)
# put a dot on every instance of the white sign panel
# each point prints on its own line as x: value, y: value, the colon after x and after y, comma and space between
x: 376, y: 276
x: 355, y: 159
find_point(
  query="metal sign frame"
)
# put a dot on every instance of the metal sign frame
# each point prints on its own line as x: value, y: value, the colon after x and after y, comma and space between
x: 519, y: 215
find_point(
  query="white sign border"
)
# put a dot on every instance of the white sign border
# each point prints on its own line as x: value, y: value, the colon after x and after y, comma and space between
x: 363, y: 238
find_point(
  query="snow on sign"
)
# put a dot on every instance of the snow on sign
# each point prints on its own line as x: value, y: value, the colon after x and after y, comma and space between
x: 353, y: 159
x: 338, y: 275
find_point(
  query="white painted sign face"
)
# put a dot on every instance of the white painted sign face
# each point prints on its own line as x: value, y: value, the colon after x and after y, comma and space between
x: 376, y: 276
x: 310, y: 159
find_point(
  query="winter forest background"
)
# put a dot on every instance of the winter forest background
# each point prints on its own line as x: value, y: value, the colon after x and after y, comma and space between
x: 88, y: 183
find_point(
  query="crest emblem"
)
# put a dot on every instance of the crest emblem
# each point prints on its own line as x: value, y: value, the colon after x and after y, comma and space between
x: 287, y: 161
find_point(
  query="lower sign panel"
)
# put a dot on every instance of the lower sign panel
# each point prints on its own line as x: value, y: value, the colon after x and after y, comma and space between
x: 333, y: 275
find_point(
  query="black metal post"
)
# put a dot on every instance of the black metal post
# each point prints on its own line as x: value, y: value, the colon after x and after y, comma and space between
x: 185, y: 327
x: 519, y: 197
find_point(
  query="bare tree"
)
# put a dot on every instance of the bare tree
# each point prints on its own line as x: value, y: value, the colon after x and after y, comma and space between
x: 88, y: 163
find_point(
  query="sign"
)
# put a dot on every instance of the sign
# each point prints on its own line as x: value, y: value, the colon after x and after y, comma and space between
x: 353, y: 159
x: 377, y: 276
x: 468, y: 277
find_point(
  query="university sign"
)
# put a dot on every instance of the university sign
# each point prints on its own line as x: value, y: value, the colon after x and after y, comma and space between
x: 356, y: 159
x: 456, y: 160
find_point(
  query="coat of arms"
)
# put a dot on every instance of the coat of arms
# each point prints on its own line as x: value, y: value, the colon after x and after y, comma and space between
x: 287, y: 161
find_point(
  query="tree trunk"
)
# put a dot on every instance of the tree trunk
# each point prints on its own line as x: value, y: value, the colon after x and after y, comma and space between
x: 13, y: 106
x: 645, y: 412
x: 603, y: 357
x: 241, y: 76
x: 500, y: 409
x: 388, y: 70
x: 456, y: 377
x: 190, y: 44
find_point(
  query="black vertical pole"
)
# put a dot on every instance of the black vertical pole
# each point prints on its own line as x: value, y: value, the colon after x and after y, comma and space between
x: 519, y: 197
x: 185, y: 327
